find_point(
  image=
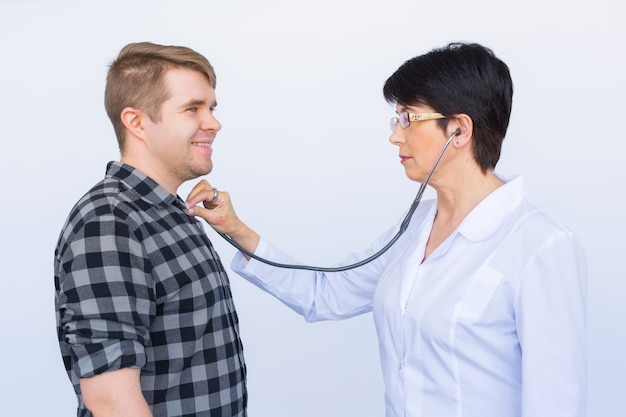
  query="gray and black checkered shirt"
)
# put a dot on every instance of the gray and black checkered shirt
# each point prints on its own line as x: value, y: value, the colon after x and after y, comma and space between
x: 138, y: 284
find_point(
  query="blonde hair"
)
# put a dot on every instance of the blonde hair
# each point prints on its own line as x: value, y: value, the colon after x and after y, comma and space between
x: 136, y: 79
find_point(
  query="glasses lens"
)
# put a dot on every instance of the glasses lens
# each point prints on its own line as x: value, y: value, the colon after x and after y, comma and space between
x: 404, y: 119
x: 393, y: 123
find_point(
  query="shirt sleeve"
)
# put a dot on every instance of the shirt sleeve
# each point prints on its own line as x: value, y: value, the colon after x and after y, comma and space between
x: 317, y: 295
x: 105, y: 298
x: 550, y: 312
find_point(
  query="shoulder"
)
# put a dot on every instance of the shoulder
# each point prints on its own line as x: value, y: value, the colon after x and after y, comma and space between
x: 109, y: 197
x: 531, y: 237
x: 534, y: 221
x: 108, y: 208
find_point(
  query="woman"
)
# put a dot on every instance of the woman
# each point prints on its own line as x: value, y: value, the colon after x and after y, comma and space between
x: 480, y: 305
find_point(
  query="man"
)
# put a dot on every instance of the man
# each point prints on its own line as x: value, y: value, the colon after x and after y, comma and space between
x: 146, y: 321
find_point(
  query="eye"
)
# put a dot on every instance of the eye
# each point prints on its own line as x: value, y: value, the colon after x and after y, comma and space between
x: 192, y: 109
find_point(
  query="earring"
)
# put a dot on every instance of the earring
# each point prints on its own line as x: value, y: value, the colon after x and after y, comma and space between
x: 457, y: 142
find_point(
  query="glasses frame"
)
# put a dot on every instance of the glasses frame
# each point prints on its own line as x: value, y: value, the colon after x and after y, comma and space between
x: 412, y: 117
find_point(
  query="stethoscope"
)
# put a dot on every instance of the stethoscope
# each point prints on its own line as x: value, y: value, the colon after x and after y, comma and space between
x: 401, y: 230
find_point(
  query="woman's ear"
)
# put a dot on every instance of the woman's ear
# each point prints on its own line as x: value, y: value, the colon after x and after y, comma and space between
x: 463, y: 125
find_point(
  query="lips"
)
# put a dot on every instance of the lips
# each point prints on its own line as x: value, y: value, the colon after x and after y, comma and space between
x: 403, y: 159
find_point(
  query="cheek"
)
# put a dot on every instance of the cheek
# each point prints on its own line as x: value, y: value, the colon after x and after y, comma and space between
x: 177, y: 135
x: 415, y: 146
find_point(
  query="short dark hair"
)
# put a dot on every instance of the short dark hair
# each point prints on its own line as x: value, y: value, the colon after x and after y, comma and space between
x: 137, y: 79
x: 460, y: 78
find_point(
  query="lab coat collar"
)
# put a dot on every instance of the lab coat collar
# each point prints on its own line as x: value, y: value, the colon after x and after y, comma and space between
x: 489, y: 214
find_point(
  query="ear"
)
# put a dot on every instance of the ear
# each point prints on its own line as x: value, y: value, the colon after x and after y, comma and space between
x: 133, y: 121
x: 465, y: 125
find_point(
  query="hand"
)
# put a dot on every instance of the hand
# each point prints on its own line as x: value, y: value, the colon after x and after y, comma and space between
x: 218, y: 211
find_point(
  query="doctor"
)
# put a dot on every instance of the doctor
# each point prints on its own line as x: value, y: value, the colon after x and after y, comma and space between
x: 480, y: 306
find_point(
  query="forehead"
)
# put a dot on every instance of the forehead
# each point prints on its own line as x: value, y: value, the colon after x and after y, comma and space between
x: 188, y: 84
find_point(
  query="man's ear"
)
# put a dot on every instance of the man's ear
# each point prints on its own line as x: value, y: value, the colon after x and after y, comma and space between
x: 133, y: 121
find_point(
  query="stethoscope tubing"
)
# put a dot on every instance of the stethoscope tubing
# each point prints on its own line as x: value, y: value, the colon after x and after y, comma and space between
x: 403, y: 226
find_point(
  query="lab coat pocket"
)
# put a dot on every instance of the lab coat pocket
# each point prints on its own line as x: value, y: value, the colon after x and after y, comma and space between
x: 479, y: 293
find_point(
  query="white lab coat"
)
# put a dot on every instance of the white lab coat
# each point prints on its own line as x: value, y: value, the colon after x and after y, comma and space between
x: 491, y: 324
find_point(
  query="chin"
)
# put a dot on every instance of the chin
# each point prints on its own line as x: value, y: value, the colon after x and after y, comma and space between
x: 416, y: 178
x: 205, y: 168
x: 199, y: 172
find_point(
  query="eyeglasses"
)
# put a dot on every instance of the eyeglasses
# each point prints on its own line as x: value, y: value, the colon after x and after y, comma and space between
x: 405, y: 119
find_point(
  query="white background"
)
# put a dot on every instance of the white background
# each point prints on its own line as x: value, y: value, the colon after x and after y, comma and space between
x: 304, y: 153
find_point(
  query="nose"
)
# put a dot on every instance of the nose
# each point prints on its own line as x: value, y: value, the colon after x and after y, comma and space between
x: 397, y: 136
x: 210, y: 122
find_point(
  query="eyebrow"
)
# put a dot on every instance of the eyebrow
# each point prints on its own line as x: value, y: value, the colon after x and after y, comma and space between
x: 198, y: 102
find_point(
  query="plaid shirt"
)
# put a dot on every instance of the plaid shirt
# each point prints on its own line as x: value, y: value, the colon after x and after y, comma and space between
x: 138, y: 284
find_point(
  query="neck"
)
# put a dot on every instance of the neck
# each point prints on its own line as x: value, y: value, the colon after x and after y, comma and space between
x: 142, y: 164
x: 457, y: 199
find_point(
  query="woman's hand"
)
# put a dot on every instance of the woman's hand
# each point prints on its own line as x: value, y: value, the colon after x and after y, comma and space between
x: 218, y: 211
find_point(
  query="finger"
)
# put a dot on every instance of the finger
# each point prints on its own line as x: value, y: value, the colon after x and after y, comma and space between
x: 199, y: 197
x: 215, y: 219
x: 201, y: 212
x: 201, y: 185
x: 200, y: 193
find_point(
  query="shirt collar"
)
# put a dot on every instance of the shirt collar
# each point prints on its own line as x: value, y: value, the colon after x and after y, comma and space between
x: 490, y: 213
x: 136, y: 181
